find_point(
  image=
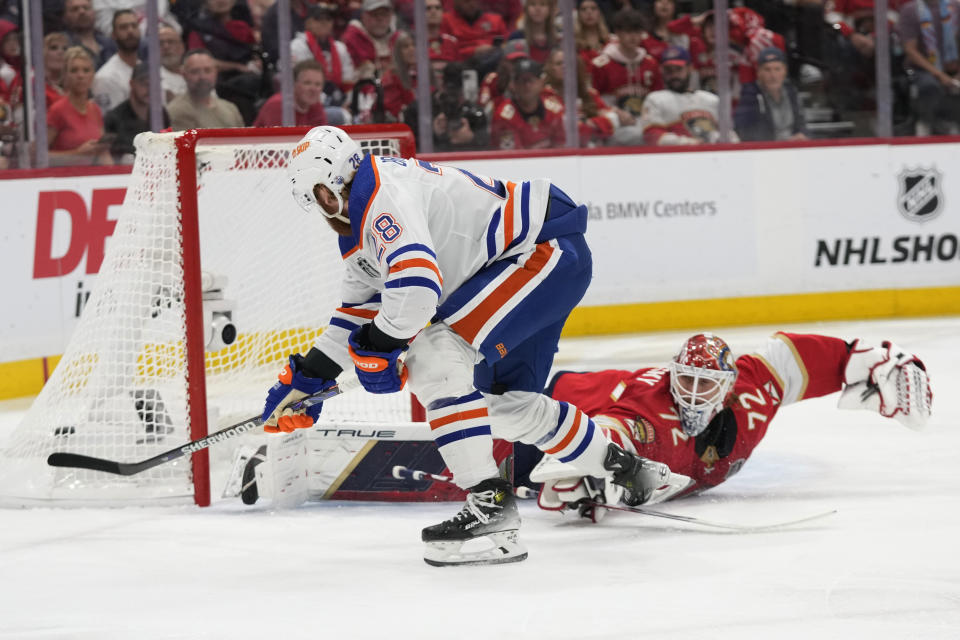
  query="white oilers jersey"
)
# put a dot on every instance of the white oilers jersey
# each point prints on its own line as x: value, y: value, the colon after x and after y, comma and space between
x: 419, y: 232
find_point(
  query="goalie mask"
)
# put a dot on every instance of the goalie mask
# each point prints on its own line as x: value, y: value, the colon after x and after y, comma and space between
x: 701, y: 380
x: 325, y: 156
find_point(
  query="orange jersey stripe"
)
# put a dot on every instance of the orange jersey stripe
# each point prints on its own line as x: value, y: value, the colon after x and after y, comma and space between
x: 454, y: 417
x: 359, y: 313
x: 508, y: 216
x: 469, y: 326
x: 417, y: 262
x: 570, y: 434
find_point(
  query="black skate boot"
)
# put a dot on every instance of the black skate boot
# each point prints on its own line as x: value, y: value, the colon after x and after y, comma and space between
x: 640, y: 477
x: 489, y: 516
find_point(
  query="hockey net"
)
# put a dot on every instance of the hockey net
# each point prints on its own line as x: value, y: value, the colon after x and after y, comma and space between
x: 209, y: 238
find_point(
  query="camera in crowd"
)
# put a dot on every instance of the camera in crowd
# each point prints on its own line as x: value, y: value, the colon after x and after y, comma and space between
x: 456, y: 101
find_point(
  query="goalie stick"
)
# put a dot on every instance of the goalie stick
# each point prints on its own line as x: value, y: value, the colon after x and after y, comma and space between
x: 79, y: 461
x: 403, y: 473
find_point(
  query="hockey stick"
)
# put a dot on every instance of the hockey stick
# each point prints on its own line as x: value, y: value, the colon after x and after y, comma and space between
x: 79, y: 461
x: 742, y: 528
x: 402, y: 472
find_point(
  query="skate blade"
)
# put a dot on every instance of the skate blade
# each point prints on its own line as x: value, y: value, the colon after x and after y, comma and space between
x: 501, y: 547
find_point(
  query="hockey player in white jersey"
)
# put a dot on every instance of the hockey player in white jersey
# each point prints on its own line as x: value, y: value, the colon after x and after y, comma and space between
x: 494, y: 267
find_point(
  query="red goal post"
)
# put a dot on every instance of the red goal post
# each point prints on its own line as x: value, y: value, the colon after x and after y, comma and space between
x: 371, y: 137
x: 212, y: 277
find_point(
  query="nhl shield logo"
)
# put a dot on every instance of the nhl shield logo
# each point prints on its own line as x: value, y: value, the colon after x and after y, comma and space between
x: 920, y: 198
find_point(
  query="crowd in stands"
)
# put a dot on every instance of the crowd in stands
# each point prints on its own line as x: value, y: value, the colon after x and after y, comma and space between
x: 646, y: 70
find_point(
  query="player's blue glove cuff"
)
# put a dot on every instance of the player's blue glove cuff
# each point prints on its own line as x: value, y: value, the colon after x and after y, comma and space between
x: 292, y: 385
x: 379, y: 372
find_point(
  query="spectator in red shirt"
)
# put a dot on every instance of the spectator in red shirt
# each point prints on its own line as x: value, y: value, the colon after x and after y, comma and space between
x: 496, y: 84
x: 596, y: 119
x: 479, y: 34
x: 54, y: 46
x: 75, y: 123
x: 663, y: 33
x: 528, y: 120
x: 590, y: 30
x: 625, y: 73
x: 9, y: 57
x: 538, y: 28
x: 400, y: 82
x: 509, y: 10
x: 371, y: 38
x: 443, y: 46
x: 748, y: 37
x: 308, y: 110
x: 316, y: 42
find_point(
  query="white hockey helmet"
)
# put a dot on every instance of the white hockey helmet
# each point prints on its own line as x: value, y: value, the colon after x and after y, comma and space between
x: 327, y: 156
x: 701, y: 380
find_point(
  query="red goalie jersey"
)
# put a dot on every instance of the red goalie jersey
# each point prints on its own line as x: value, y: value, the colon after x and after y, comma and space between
x: 636, y: 407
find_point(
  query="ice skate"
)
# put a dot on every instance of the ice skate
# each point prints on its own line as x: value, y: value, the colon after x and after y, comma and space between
x: 641, y: 477
x: 483, y: 532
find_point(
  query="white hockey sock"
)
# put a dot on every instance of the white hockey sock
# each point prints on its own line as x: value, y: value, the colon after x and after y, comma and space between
x: 461, y: 429
x: 576, y: 440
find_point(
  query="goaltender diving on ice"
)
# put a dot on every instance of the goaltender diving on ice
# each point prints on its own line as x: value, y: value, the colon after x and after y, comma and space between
x: 494, y: 267
x: 704, y: 413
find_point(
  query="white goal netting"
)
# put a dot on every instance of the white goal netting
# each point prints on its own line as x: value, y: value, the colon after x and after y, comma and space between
x: 121, y: 390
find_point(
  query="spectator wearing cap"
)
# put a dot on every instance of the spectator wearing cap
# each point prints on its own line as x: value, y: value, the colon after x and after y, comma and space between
x: 371, y: 38
x: 200, y: 107
x: 111, y: 85
x: 590, y: 30
x: 75, y: 122
x: 930, y: 34
x: 596, y: 119
x: 308, y: 109
x: 769, y: 109
x: 171, y: 62
x: 79, y: 24
x: 495, y: 86
x: 130, y: 117
x: 677, y: 114
x: 748, y: 36
x: 538, y: 28
x: 479, y: 34
x: 316, y: 42
x: 528, y: 119
x: 625, y: 73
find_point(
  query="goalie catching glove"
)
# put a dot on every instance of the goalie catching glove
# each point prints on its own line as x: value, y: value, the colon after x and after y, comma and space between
x: 889, y: 380
x: 378, y: 371
x: 293, y: 385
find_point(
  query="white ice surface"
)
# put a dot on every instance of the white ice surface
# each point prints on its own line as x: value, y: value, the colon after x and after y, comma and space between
x: 887, y: 566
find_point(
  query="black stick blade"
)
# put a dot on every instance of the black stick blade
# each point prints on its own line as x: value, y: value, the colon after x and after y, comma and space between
x: 77, y: 461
